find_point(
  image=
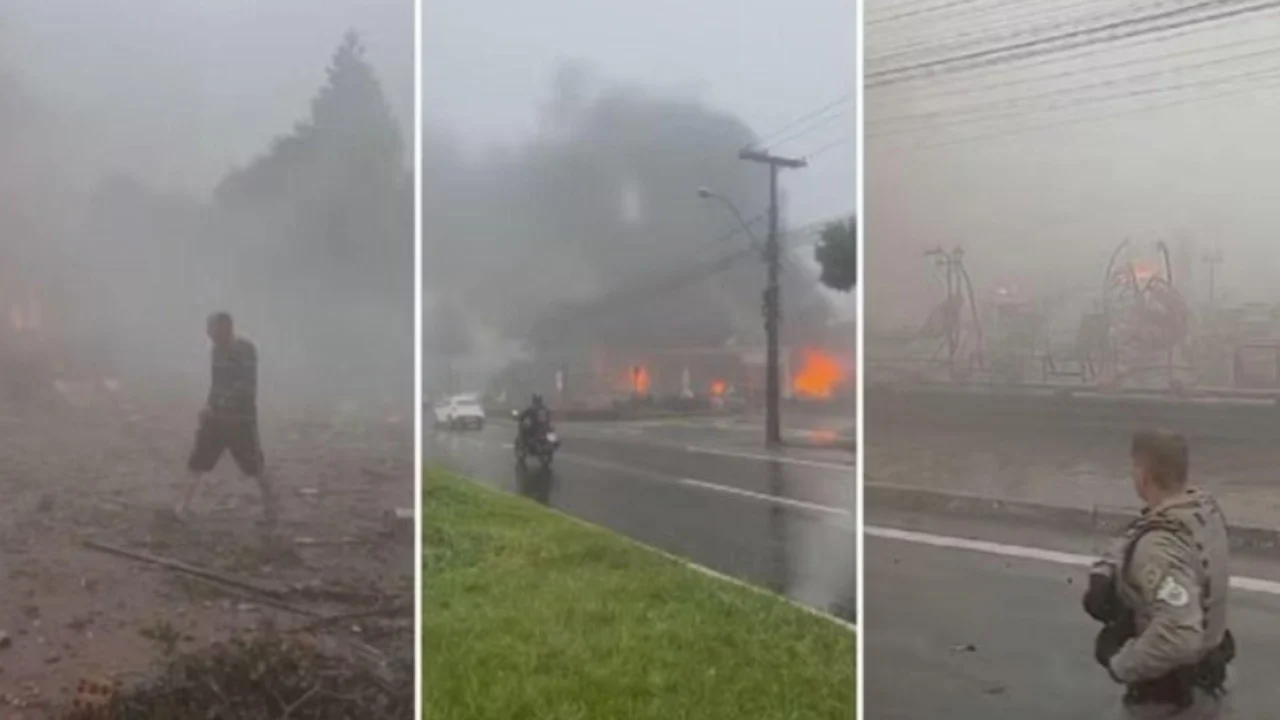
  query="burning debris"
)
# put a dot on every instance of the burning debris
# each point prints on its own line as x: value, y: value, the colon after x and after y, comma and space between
x: 820, y: 376
x: 641, y: 382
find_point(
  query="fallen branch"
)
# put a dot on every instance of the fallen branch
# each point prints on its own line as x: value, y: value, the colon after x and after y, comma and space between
x: 179, y: 566
x: 298, y: 703
x: 268, y: 601
x: 324, y: 622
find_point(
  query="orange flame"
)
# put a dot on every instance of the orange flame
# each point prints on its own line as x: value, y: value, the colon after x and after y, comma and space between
x: 718, y: 387
x: 820, y: 375
x: 1143, y: 271
x: 640, y: 380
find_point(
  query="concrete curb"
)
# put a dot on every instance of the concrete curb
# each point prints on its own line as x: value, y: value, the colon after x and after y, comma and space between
x: 1100, y: 520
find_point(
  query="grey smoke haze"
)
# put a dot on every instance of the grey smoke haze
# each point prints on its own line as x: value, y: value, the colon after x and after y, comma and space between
x: 1043, y: 208
x: 565, y: 142
x: 161, y: 160
x: 178, y: 92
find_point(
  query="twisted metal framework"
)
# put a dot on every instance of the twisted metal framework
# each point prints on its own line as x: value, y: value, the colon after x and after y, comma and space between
x: 1143, y: 315
x: 946, y: 322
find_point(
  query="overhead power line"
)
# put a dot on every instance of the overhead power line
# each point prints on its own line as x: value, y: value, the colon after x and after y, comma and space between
x: 1082, y: 120
x: 664, y: 283
x: 766, y: 140
x: 807, y: 129
x: 1013, y: 20
x: 1081, y: 37
x: 1011, y: 107
x: 943, y: 7
x: 972, y: 89
x: 839, y: 142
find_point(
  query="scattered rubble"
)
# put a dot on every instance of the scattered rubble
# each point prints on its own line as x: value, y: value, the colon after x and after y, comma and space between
x: 259, y: 676
x: 109, y: 599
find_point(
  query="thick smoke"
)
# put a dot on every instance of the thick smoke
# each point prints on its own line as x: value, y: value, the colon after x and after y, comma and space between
x: 592, y: 231
x: 309, y: 245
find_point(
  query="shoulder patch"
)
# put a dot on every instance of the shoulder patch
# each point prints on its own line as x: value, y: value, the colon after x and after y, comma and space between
x: 1173, y: 594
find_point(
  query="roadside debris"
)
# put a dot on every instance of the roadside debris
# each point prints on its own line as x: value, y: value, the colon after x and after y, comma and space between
x: 265, y: 676
x: 179, y: 566
x: 99, y: 482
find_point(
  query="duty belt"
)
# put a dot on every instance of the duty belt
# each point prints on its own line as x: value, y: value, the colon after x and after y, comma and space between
x: 1178, y: 686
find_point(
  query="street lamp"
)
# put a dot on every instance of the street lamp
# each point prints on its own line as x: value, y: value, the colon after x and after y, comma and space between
x: 707, y: 193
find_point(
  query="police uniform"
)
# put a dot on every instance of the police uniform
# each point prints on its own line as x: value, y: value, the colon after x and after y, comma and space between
x: 1171, y: 576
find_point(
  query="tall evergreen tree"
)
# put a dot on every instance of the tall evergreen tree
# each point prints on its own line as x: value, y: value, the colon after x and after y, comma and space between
x: 326, y: 220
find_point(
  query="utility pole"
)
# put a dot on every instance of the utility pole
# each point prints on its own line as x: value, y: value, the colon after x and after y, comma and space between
x: 772, y: 295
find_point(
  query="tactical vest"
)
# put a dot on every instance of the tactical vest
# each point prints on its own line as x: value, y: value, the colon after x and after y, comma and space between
x: 1209, y: 674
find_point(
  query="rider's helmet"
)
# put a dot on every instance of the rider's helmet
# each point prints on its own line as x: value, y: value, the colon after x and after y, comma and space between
x: 537, y: 400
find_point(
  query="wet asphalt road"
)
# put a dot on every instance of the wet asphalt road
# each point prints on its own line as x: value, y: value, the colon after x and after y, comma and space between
x: 708, y: 494
x: 960, y: 634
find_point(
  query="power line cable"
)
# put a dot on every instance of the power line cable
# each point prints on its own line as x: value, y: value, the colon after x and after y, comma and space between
x: 1264, y: 74
x: 1081, y: 120
x: 809, y: 156
x: 1031, y: 48
x: 952, y: 36
x: 1046, y: 59
x: 806, y: 130
x: 976, y: 111
x: 971, y: 89
x: 763, y: 141
x: 943, y: 7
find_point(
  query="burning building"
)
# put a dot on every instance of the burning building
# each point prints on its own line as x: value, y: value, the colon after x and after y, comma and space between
x: 696, y: 339
x: 819, y: 376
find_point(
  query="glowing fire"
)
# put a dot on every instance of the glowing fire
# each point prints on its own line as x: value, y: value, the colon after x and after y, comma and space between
x: 718, y: 387
x: 820, y: 375
x: 640, y: 380
x: 1143, y: 271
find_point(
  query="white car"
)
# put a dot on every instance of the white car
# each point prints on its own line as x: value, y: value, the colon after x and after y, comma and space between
x: 460, y: 411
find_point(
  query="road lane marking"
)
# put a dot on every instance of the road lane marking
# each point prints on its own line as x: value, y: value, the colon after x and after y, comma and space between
x: 773, y: 458
x: 609, y: 435
x: 1239, y: 582
x: 692, y: 482
x: 765, y: 498
x: 800, y: 504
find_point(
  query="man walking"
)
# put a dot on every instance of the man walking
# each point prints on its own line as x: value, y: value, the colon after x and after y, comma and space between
x: 229, y: 420
x: 1161, y: 592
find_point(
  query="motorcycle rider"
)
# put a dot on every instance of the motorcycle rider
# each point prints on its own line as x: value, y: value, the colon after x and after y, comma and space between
x: 534, y: 419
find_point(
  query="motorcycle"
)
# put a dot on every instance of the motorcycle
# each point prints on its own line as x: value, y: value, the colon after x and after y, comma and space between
x: 542, y: 445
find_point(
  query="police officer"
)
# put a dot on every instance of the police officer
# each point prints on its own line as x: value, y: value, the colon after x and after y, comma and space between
x: 1161, y: 592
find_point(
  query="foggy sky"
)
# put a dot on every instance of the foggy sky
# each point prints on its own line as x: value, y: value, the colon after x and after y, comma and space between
x: 487, y: 65
x: 175, y: 93
x: 116, y: 121
x: 1043, y: 209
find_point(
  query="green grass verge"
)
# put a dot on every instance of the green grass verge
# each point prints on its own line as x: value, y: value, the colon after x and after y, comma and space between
x: 530, y: 614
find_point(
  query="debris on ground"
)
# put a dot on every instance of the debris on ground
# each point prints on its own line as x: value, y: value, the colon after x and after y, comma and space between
x: 102, y: 580
x: 258, y: 676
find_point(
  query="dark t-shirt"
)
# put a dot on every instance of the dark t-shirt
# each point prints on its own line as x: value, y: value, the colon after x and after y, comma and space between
x: 233, y: 392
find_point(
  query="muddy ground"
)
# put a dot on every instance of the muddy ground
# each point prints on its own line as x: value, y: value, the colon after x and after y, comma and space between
x: 105, y: 466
